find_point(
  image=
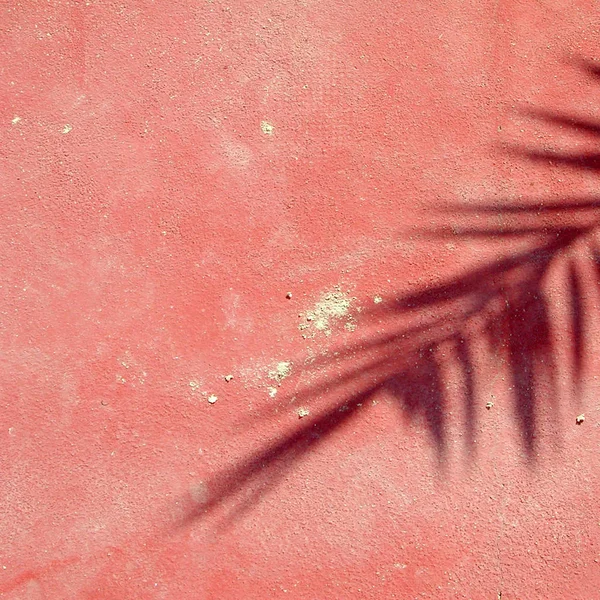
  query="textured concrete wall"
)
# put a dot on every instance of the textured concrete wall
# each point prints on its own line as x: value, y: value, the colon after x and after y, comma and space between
x: 298, y: 299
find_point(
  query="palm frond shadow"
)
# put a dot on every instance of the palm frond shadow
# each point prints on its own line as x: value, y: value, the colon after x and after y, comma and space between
x: 504, y: 303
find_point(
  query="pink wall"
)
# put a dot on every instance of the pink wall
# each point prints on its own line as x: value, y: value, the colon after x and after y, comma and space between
x: 421, y: 177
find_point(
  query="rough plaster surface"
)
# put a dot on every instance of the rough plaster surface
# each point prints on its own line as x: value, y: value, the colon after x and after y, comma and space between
x: 183, y: 186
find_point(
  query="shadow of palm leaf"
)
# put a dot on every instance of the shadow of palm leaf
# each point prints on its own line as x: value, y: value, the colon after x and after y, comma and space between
x: 504, y: 302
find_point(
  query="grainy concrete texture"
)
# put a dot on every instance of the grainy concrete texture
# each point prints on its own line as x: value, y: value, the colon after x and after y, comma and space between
x: 299, y: 299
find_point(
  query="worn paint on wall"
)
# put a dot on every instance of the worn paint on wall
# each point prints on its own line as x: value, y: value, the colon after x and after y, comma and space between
x: 299, y: 300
